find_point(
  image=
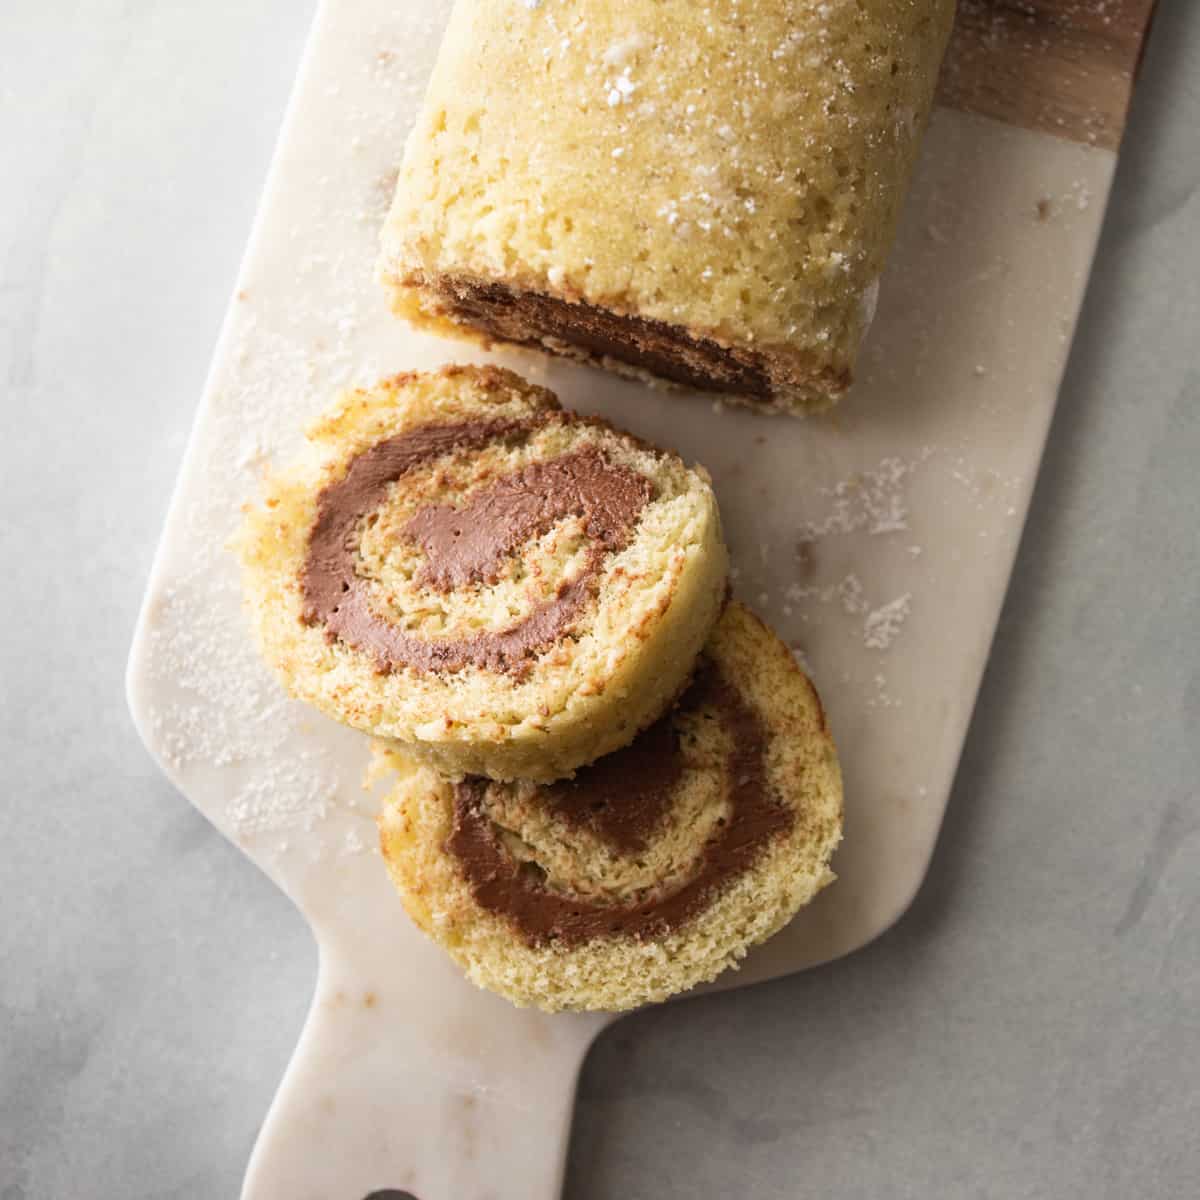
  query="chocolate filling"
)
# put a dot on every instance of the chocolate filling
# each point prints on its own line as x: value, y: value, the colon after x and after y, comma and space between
x: 469, y: 544
x: 465, y: 545
x: 511, y: 889
x: 668, y: 351
x: 625, y: 796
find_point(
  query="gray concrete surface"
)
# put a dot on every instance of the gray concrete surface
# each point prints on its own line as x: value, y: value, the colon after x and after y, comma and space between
x: 1032, y: 1027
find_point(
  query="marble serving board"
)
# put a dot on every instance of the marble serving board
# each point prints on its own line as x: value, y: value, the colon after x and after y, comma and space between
x: 877, y: 539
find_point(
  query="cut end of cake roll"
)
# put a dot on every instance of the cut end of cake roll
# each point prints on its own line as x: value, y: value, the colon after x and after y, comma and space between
x: 654, y: 869
x: 656, y: 352
x: 509, y: 589
x: 669, y: 190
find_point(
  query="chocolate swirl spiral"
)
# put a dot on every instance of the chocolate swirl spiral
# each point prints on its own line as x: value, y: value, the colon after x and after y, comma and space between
x: 624, y: 799
x: 467, y: 544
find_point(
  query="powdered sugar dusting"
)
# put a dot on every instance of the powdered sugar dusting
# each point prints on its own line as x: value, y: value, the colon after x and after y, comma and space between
x: 620, y: 89
x: 880, y: 696
x: 872, y: 501
x: 285, y: 357
x: 882, y: 624
x: 619, y: 52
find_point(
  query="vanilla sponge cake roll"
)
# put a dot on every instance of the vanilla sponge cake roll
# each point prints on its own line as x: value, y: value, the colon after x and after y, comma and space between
x: 509, y: 589
x: 652, y: 870
x: 698, y: 193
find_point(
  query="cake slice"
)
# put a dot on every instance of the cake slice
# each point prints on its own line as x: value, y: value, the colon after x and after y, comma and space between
x: 508, y: 588
x: 651, y: 871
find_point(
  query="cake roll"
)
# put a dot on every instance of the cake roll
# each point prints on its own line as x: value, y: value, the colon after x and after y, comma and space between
x: 650, y: 871
x: 697, y: 194
x: 508, y: 588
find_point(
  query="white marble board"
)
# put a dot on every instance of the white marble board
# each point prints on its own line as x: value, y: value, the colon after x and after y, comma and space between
x: 877, y: 539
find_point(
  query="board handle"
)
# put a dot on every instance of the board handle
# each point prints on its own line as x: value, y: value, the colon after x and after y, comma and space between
x: 420, y: 1087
